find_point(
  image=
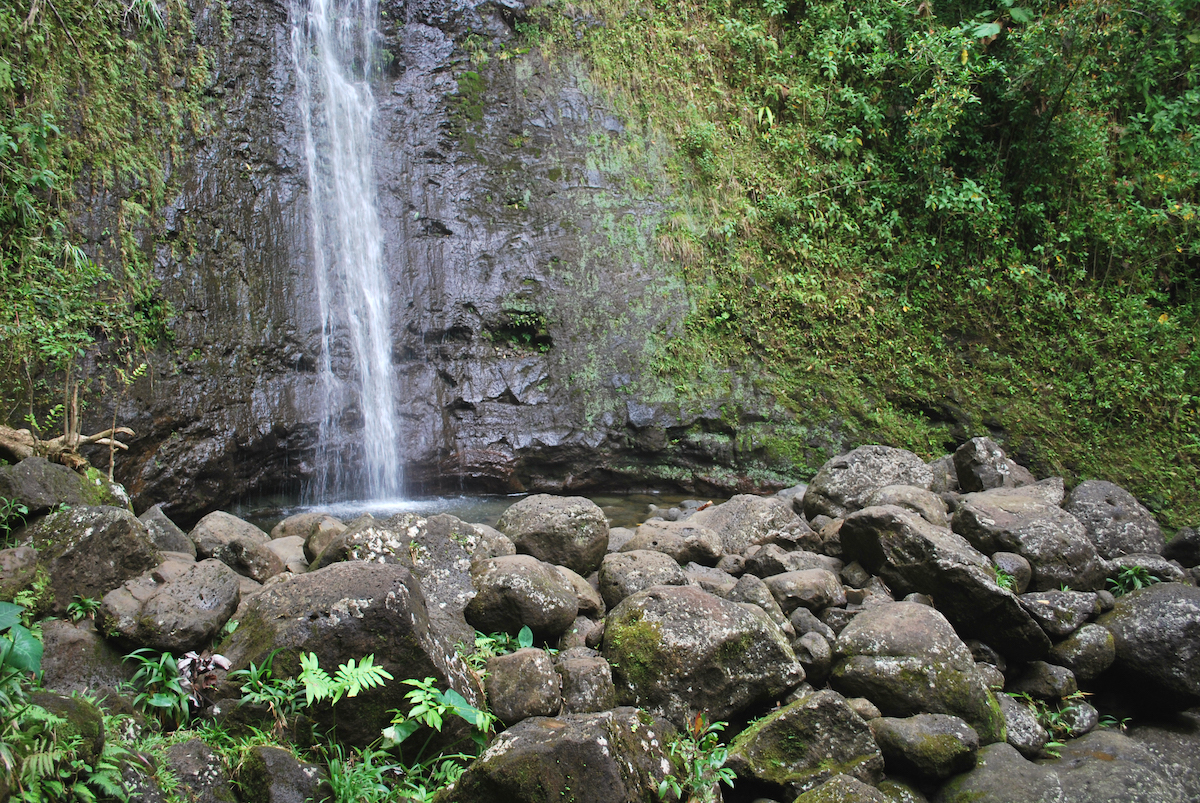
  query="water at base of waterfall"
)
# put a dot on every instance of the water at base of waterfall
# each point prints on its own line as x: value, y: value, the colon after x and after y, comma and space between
x: 333, y: 45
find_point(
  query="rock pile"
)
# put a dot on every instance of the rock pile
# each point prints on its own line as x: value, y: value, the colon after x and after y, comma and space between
x: 859, y: 633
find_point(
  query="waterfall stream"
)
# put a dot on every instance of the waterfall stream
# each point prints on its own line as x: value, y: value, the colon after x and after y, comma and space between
x: 333, y: 46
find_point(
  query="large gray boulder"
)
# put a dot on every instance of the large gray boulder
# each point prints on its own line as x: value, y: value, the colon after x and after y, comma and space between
x: 927, y: 746
x: 587, y: 684
x: 89, y: 551
x: 912, y: 555
x: 811, y: 588
x: 844, y: 483
x: 270, y: 774
x: 843, y: 789
x: 176, y: 607
x: 625, y: 573
x: 678, y: 650
x: 1156, y: 636
x: 568, y: 531
x: 523, y: 684
x: 802, y: 745
x: 1184, y: 547
x: 1087, y: 652
x: 617, y: 756
x: 747, y: 519
x: 924, y: 503
x: 906, y: 659
x: 219, y: 528
x: 77, y: 658
x: 980, y: 465
x: 1106, y: 766
x: 1002, y: 775
x: 515, y: 591
x: 1060, y: 613
x: 1024, y: 732
x: 1116, y: 522
x: 164, y: 533
x: 685, y: 541
x: 41, y: 486
x: 347, y: 611
x: 1019, y: 520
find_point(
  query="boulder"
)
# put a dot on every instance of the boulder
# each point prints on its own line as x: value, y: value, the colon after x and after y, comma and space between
x: 218, y: 528
x: 980, y: 465
x: 1156, y: 636
x: 945, y: 477
x: 1053, y: 541
x: 676, y: 650
x: 1002, y: 775
x: 1156, y: 566
x: 747, y: 519
x: 1060, y: 613
x: 442, y: 549
x: 523, y: 684
x: 912, y: 555
x: 924, y: 503
x: 907, y: 659
x: 844, y: 483
x: 802, y: 745
x: 200, y: 771
x: 769, y: 559
x: 617, y: 756
x: 625, y: 573
x: 843, y: 789
x: 515, y: 591
x: 587, y: 684
x: 269, y: 774
x: 18, y: 570
x: 372, y: 540
x: 290, y: 551
x: 164, y: 533
x: 1044, y: 681
x: 1115, y: 521
x: 1106, y: 766
x: 41, y: 486
x: 89, y: 551
x: 323, y: 531
x: 1015, y: 567
x: 684, y: 541
x: 1174, y: 742
x: 928, y: 746
x: 591, y: 604
x: 249, y: 558
x: 812, y: 588
x: 753, y: 590
x: 176, y: 607
x: 1184, y: 547
x: 299, y: 524
x: 1023, y: 730
x: 815, y: 654
x: 347, y: 611
x: 84, y: 722
x: 1087, y: 652
x: 569, y: 531
x: 76, y: 658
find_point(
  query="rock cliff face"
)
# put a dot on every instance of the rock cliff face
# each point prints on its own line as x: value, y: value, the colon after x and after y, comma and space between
x: 529, y: 299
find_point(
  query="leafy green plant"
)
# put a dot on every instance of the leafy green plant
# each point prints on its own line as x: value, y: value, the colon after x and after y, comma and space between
x: 10, y: 510
x: 359, y: 776
x: 490, y: 645
x: 1004, y: 579
x: 20, y: 650
x: 1054, y: 717
x: 430, y: 708
x: 160, y: 688
x: 349, y: 680
x: 280, y: 696
x: 703, y: 757
x: 82, y: 608
x: 1131, y: 578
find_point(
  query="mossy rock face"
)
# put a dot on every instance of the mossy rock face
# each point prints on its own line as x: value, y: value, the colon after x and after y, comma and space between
x: 805, y: 743
x: 843, y: 789
x: 83, y: 720
x: 678, y: 650
x: 98, y: 489
x: 40, y: 485
x: 617, y: 756
x: 907, y: 659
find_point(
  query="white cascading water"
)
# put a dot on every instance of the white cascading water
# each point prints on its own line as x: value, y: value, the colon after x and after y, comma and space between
x: 333, y: 45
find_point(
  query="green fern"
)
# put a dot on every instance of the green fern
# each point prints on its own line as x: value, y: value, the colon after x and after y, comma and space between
x: 349, y: 680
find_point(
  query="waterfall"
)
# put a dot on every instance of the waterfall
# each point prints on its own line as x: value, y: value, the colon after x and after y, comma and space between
x: 333, y: 48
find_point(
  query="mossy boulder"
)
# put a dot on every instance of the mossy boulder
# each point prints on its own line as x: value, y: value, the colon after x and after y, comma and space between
x: 1002, y: 775
x: 89, y: 551
x: 804, y: 744
x: 569, y: 531
x: 617, y: 756
x: 843, y: 789
x: 906, y: 659
x: 1156, y: 636
x: 271, y: 774
x: 747, y: 519
x: 40, y: 485
x: 347, y: 611
x: 845, y: 482
x: 678, y: 650
x: 519, y: 590
x: 83, y: 719
x: 929, y: 746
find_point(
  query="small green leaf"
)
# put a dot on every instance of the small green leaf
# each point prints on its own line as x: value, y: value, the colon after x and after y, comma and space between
x: 525, y: 637
x: 986, y: 29
x: 1021, y: 14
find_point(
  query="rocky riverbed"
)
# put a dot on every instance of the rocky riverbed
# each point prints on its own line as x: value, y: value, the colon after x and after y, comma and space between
x: 893, y: 631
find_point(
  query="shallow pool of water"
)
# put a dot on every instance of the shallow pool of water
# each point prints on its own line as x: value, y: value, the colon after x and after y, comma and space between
x: 626, y: 510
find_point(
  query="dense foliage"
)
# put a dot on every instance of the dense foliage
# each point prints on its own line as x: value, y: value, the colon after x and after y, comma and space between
x: 930, y: 220
x: 95, y: 97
